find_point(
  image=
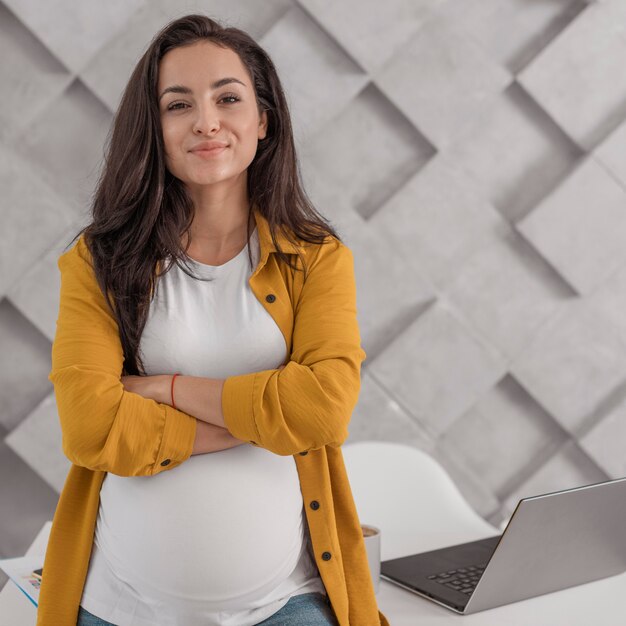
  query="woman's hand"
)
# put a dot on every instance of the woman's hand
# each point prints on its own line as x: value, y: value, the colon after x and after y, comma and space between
x: 152, y: 387
x: 209, y: 438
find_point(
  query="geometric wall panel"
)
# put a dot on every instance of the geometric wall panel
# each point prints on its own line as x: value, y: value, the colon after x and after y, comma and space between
x: 380, y: 417
x: 574, y: 361
x: 330, y: 81
x: 507, y: 292
x: 31, y: 77
x: 584, y: 66
x: 504, y: 437
x: 33, y: 216
x: 385, y: 306
x: 569, y: 467
x: 31, y: 503
x: 605, y: 442
x: 69, y: 161
x: 438, y: 367
x: 610, y: 154
x: 451, y: 79
x: 24, y: 365
x: 372, y: 126
x: 36, y: 293
x: 580, y: 227
x: 473, y: 486
x: 438, y: 220
x: 537, y: 24
x: 31, y: 441
x: 610, y: 301
x: 371, y: 33
x: 85, y: 28
x: 381, y: 276
x: 514, y: 152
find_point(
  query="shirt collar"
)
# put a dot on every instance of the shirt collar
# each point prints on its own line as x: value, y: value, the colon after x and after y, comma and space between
x: 266, y: 245
x: 265, y: 238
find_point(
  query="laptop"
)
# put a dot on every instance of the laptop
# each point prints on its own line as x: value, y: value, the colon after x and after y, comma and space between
x: 552, y: 541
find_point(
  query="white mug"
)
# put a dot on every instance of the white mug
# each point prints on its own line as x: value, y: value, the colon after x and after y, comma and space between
x: 371, y: 537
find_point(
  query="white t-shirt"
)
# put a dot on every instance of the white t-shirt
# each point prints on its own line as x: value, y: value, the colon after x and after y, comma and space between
x: 222, y: 539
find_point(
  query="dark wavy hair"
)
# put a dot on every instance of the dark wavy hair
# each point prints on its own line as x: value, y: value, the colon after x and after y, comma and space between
x: 140, y: 211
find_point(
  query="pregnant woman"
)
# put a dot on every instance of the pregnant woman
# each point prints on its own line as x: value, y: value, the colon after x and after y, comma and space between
x: 206, y: 363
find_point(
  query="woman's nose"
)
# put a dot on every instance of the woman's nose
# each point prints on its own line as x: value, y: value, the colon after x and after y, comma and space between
x: 207, y: 120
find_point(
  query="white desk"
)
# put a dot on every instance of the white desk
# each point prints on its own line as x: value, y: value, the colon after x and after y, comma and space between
x: 594, y: 604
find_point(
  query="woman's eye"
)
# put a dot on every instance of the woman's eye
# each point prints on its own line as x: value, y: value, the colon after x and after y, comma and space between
x: 179, y: 105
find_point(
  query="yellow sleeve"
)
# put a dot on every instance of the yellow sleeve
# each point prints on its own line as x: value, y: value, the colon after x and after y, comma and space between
x: 308, y: 404
x: 105, y: 427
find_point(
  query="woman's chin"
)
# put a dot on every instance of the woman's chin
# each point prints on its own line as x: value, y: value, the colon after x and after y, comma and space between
x: 204, y: 178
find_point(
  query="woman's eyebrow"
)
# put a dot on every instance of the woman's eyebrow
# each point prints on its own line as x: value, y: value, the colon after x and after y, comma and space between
x: 186, y: 90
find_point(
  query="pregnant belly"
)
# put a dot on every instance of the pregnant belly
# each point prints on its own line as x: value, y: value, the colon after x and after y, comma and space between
x: 221, y: 526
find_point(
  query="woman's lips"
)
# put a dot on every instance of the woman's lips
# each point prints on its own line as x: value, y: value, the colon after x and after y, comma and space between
x: 209, y: 153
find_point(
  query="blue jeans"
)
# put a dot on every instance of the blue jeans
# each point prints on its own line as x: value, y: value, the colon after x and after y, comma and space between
x: 307, y: 609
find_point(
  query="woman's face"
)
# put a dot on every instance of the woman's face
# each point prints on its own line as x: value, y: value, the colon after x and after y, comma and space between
x: 205, y: 112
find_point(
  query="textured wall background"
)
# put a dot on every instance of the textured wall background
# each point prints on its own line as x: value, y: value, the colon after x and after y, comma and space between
x: 470, y: 152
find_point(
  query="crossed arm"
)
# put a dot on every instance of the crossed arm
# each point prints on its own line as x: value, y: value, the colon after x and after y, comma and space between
x: 196, y: 396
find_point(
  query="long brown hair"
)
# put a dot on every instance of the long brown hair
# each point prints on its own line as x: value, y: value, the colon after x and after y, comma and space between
x: 140, y: 211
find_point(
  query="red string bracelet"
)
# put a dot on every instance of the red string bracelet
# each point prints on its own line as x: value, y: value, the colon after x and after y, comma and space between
x: 172, y: 390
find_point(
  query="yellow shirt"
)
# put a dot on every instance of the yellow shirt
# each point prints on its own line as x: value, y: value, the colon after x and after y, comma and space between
x: 302, y: 411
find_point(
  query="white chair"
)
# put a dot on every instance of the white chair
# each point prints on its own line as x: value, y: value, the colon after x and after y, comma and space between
x: 412, y: 500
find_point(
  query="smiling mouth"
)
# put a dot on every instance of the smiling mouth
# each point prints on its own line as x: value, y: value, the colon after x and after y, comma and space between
x: 211, y: 152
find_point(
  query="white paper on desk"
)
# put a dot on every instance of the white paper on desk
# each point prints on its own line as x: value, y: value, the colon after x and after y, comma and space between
x: 20, y: 571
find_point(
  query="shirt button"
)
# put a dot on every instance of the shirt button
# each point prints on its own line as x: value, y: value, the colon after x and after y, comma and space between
x: 303, y: 453
x: 270, y: 297
x: 315, y: 505
x: 166, y: 462
x: 326, y: 556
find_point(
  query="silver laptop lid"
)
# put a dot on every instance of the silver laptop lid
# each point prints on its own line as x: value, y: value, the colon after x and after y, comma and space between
x: 554, y: 541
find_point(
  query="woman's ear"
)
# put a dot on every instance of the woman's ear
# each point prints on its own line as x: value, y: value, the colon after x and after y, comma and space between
x: 263, y: 125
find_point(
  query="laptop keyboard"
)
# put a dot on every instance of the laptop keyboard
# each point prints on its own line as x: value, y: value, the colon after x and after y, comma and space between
x: 463, y: 579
